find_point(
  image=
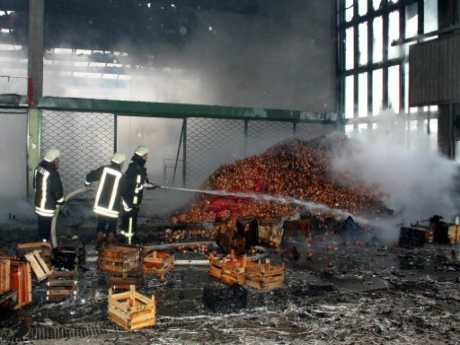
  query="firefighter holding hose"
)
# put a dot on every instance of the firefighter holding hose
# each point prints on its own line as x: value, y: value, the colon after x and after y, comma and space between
x: 107, y: 203
x: 48, y: 192
x: 133, y: 183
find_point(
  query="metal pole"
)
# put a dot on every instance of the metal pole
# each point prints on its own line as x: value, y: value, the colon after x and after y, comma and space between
x: 115, y: 132
x: 246, y: 135
x: 184, y: 154
x: 34, y: 86
x: 178, y: 152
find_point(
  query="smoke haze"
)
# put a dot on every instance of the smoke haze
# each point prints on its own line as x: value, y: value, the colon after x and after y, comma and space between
x: 418, y: 182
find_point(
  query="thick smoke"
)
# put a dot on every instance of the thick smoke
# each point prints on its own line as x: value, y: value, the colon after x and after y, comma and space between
x: 418, y: 182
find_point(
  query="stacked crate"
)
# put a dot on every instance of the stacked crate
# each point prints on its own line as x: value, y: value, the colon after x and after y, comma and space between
x: 61, y: 285
x: 124, y: 265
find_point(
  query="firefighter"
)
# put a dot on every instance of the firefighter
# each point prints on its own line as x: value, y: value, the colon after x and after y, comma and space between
x: 133, y: 183
x: 49, y: 193
x: 107, y: 201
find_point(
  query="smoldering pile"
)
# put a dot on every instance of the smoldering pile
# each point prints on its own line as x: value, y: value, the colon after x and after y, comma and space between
x: 295, y: 168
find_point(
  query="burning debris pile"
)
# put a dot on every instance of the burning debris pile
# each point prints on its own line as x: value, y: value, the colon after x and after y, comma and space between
x: 296, y: 169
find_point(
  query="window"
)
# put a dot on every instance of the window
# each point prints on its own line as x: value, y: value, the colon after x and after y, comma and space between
x: 349, y: 97
x: 362, y: 7
x: 349, y: 8
x: 377, y: 37
x: 376, y: 4
x: 377, y: 91
x: 349, y: 49
x: 393, y: 34
x: 411, y: 23
x: 362, y: 96
x: 393, y: 88
x: 431, y: 16
x: 374, y: 71
x: 363, y: 58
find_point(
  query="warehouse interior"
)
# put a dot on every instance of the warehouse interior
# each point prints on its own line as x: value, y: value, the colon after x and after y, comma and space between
x: 301, y: 164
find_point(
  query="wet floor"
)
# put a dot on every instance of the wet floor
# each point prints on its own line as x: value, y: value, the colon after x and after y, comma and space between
x: 372, y: 295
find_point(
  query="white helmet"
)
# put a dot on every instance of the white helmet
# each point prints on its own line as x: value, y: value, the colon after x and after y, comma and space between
x: 119, y: 158
x: 141, y: 150
x: 52, y: 155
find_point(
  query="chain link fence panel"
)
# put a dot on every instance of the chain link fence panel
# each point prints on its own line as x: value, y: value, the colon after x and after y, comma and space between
x: 86, y: 141
x: 212, y: 142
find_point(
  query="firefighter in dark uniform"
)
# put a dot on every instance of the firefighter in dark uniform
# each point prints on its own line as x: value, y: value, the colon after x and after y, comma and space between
x: 107, y: 203
x: 133, y: 183
x: 48, y: 192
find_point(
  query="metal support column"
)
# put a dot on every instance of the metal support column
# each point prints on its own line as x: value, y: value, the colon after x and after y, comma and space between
x: 184, y: 153
x: 35, y: 86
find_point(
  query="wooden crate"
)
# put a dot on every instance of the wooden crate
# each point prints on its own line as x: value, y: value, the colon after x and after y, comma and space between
x: 61, y: 285
x: 45, y: 249
x: 454, y: 234
x: 264, y: 275
x: 39, y: 266
x: 21, y: 281
x: 131, y: 310
x: 158, y: 263
x: 229, y: 270
x: 120, y: 259
x: 122, y: 281
x: 5, y: 269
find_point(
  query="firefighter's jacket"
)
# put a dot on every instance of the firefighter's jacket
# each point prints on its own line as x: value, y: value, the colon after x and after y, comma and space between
x: 133, y: 183
x: 107, y: 200
x: 48, y: 189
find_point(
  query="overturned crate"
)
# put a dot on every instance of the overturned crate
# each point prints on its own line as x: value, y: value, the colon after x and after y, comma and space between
x: 158, y: 263
x: 131, y: 310
x: 21, y: 282
x: 229, y: 270
x: 45, y: 249
x: 39, y: 266
x: 264, y: 275
x: 61, y: 285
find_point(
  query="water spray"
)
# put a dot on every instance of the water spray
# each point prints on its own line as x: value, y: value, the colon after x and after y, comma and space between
x: 309, y: 205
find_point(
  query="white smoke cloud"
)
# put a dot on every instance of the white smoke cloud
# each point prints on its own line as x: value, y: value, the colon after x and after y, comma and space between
x: 418, y: 182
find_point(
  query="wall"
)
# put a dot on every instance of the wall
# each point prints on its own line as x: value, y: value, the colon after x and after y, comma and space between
x: 13, y: 156
x: 283, y: 57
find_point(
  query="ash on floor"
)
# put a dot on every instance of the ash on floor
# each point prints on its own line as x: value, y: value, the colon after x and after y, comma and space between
x: 371, y: 295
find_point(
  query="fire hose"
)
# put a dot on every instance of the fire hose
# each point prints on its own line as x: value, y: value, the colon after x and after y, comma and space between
x: 67, y: 198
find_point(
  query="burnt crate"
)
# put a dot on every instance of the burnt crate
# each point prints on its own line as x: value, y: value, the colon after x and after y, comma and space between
x: 122, y: 281
x: 61, y: 285
x: 412, y: 237
x: 264, y: 275
x: 270, y: 233
x: 120, y: 259
x: 158, y: 263
x: 21, y: 282
x: 131, y: 310
x: 229, y: 270
x: 5, y: 268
